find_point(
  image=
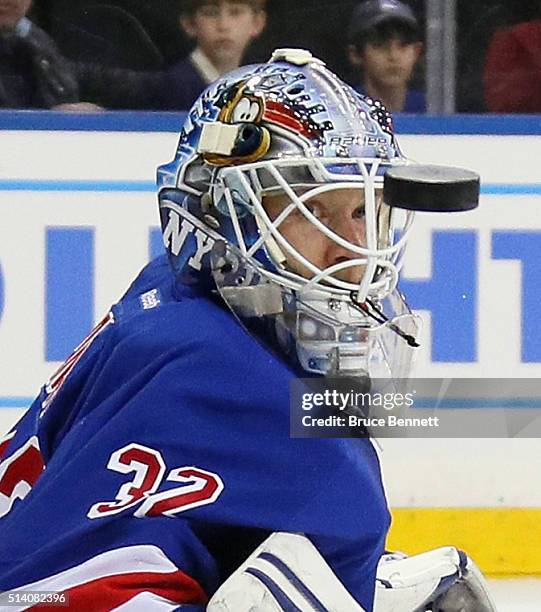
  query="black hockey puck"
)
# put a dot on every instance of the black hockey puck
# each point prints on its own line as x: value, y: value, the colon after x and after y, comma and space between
x: 431, y: 188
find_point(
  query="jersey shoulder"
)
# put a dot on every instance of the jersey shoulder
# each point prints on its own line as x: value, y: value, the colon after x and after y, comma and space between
x: 158, y: 315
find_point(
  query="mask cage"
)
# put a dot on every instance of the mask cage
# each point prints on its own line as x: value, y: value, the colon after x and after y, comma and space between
x: 240, y: 190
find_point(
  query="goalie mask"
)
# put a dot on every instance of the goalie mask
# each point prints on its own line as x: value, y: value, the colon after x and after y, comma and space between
x: 275, y: 198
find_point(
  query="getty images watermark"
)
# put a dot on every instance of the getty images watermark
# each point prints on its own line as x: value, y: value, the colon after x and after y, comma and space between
x: 353, y: 410
x: 415, y: 408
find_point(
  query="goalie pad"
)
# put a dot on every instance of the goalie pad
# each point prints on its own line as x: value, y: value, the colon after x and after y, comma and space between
x: 440, y: 580
x: 285, y: 573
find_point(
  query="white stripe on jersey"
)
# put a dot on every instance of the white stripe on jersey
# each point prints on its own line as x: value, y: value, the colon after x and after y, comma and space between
x: 127, y: 560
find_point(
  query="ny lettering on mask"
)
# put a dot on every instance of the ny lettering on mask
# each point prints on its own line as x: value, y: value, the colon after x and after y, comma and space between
x: 179, y: 230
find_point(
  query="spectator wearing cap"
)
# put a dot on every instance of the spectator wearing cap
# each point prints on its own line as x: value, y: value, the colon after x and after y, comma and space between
x: 384, y: 46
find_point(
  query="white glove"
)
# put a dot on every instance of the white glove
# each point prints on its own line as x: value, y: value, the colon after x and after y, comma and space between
x: 440, y: 580
x: 468, y: 594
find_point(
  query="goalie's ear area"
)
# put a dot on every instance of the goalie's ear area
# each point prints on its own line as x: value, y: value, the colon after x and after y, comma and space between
x: 431, y: 188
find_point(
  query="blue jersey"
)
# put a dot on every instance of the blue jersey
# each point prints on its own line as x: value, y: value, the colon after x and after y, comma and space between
x: 158, y: 457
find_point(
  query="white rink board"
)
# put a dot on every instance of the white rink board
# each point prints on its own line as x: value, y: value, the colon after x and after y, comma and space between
x: 419, y: 473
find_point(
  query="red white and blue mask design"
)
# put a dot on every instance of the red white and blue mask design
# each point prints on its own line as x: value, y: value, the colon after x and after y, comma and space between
x: 287, y: 132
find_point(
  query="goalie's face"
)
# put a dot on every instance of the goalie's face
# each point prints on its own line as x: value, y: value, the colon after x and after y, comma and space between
x: 341, y: 211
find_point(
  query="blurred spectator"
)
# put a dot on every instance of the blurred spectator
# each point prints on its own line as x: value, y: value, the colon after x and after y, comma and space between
x: 512, y: 76
x: 221, y: 30
x: 33, y: 73
x: 83, y: 34
x: 119, y: 88
x: 384, y: 46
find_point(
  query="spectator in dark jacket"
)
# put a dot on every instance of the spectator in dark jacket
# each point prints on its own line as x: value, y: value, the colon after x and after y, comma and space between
x: 33, y: 73
x: 119, y: 88
x: 222, y: 30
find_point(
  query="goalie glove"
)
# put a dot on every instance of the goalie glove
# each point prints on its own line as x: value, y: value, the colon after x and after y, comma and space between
x: 440, y: 580
x: 468, y: 594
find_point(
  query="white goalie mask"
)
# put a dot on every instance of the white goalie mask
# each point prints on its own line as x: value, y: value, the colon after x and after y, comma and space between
x: 276, y: 197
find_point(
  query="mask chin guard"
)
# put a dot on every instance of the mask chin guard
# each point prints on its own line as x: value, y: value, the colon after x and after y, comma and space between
x: 309, y: 329
x: 242, y: 287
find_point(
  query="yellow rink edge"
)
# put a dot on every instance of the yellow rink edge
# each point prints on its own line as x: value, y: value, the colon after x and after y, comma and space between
x: 502, y: 541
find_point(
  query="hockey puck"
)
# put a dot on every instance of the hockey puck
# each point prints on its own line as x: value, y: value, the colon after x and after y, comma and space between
x: 431, y: 188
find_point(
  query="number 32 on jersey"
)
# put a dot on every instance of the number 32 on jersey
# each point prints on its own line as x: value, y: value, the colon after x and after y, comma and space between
x: 197, y: 487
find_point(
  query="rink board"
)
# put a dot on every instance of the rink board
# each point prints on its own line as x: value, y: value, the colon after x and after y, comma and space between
x: 503, y: 541
x: 78, y: 218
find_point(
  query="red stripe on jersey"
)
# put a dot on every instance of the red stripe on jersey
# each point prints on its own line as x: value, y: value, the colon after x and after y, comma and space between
x: 4, y: 447
x: 110, y: 592
x: 26, y: 467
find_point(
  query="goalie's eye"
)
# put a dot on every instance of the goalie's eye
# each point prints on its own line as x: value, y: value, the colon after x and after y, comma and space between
x: 359, y: 212
x: 246, y: 110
